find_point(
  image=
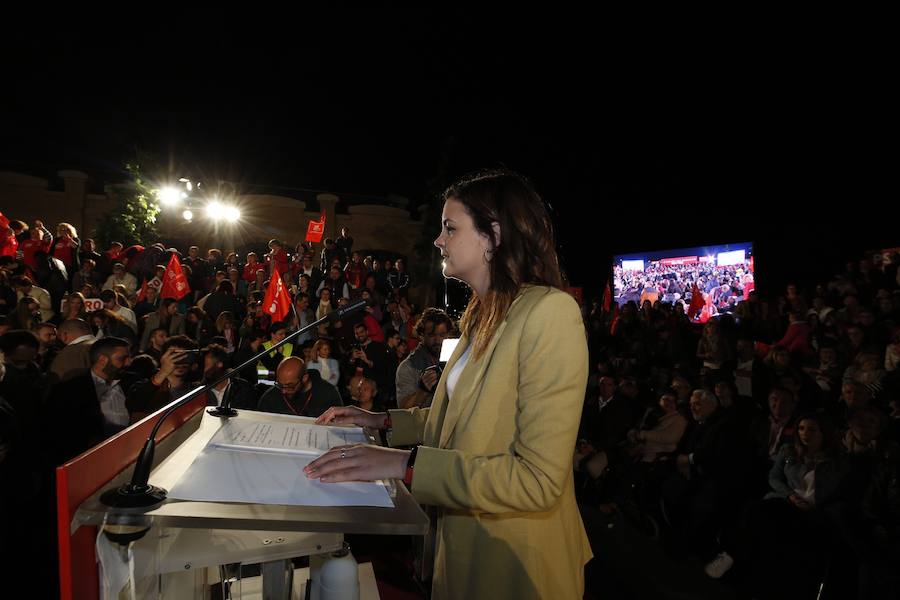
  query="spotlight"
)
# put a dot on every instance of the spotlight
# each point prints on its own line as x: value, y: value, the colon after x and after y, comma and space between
x: 215, y: 210
x: 232, y: 213
x: 188, y: 215
x: 169, y: 196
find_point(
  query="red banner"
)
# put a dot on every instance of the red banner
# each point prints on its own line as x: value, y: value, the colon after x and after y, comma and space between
x: 315, y: 230
x: 277, y: 301
x: 175, y: 284
x: 681, y: 260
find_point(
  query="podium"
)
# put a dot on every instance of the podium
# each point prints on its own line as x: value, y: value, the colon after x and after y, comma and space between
x: 191, y: 545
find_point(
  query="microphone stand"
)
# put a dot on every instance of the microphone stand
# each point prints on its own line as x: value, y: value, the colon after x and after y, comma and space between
x: 138, y: 493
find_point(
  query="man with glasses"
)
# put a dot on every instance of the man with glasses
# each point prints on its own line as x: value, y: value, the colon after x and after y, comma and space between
x: 416, y: 379
x: 298, y: 391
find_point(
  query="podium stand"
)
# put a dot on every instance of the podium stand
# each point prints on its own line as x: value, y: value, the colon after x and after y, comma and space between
x: 189, y: 540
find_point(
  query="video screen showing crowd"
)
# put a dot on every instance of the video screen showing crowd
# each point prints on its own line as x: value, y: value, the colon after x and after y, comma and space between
x: 708, y: 281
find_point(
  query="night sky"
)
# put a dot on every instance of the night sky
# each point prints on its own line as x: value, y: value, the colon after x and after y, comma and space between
x: 638, y: 144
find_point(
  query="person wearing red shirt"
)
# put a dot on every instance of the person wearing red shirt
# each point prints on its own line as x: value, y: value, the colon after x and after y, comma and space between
x: 36, y: 243
x: 277, y: 256
x: 250, y: 268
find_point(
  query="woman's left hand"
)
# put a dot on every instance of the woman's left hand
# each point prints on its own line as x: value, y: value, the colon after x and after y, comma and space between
x: 358, y: 462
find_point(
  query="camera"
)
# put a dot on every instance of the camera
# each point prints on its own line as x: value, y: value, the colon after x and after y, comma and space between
x: 438, y: 370
x: 189, y: 357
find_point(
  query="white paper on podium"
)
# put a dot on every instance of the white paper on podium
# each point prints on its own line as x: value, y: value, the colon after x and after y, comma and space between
x: 285, y: 436
x: 258, y: 459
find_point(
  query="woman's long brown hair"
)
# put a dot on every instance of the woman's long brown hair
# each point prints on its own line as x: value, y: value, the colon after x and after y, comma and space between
x: 526, y: 253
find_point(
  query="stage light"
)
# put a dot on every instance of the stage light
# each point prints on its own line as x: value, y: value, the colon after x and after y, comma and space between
x: 215, y: 210
x: 169, y: 196
x: 232, y: 213
x: 188, y: 215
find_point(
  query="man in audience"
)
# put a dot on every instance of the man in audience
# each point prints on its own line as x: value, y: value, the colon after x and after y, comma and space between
x: 121, y: 277
x: 299, y: 391
x: 91, y: 407
x: 416, y: 376
x: 74, y: 359
x: 111, y: 303
x: 26, y: 287
x: 177, y: 367
x: 166, y: 317
x: 234, y: 391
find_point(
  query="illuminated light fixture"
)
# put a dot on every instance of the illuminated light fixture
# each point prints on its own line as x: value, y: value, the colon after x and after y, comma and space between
x: 169, y: 196
x: 232, y: 213
x: 215, y: 210
x: 188, y: 215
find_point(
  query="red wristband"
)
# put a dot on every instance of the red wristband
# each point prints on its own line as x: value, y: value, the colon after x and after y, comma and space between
x: 410, y: 465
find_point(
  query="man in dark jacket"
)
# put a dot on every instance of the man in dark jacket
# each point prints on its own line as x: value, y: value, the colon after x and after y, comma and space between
x: 700, y: 494
x: 298, y: 391
x: 234, y: 391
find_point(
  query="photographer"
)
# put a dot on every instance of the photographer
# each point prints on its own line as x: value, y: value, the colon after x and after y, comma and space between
x: 368, y: 357
x: 179, y: 360
x: 418, y: 374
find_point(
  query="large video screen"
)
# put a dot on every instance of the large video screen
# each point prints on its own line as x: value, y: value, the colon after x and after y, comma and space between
x: 723, y: 274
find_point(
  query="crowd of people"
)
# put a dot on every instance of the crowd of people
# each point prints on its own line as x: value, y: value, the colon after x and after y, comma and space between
x: 765, y: 442
x: 724, y: 286
x: 90, y: 346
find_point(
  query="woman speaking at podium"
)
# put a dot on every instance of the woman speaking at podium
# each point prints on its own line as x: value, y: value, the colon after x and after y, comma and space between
x: 494, y: 451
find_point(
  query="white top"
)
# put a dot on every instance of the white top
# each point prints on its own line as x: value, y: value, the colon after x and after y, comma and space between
x: 808, y: 491
x: 83, y: 338
x: 456, y: 371
x: 219, y: 394
x: 128, y: 315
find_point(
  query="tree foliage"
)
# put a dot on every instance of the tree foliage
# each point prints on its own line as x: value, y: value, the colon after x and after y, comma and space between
x: 133, y: 220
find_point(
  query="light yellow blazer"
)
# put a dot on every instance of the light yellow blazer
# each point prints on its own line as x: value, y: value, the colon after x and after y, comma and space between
x: 496, y: 458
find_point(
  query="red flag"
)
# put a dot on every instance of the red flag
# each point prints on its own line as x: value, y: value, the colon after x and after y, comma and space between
x: 607, y: 297
x: 142, y: 293
x: 697, y: 302
x: 277, y: 302
x: 175, y: 284
x: 314, y: 230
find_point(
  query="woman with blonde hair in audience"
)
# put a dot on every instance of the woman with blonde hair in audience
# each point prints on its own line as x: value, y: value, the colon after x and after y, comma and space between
x: 65, y: 247
x: 225, y: 327
x: 324, y: 308
x: 73, y: 307
x: 323, y: 363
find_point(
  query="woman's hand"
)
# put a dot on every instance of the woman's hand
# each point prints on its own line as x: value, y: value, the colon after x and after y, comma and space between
x: 352, y: 415
x: 359, y: 462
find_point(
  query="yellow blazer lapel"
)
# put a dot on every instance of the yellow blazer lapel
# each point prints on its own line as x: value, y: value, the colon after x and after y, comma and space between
x: 467, y: 388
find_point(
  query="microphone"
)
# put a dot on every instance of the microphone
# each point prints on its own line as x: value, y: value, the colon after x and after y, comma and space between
x: 340, y: 313
x: 138, y: 493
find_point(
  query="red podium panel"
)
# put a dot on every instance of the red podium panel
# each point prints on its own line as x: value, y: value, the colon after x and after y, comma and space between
x: 79, y: 478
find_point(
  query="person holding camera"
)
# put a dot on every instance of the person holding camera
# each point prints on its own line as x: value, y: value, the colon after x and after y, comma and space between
x: 493, y: 453
x: 180, y: 358
x: 368, y: 357
x: 418, y: 374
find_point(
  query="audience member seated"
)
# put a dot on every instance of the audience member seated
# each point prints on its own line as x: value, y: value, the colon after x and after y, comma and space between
x: 298, y: 391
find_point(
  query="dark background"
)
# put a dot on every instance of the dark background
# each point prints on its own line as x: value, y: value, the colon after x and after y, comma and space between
x: 638, y: 140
